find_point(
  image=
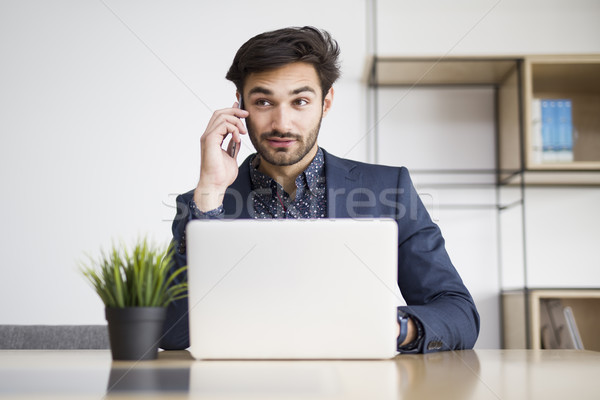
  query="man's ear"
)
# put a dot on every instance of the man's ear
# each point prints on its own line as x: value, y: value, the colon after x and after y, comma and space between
x: 238, y: 96
x: 328, y: 101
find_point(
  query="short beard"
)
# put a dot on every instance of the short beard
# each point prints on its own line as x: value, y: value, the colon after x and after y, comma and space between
x: 281, y: 157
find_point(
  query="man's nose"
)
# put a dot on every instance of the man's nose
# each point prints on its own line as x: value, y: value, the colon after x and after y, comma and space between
x: 282, y: 118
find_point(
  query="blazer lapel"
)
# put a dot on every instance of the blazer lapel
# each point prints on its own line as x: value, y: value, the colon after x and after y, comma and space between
x: 342, y: 177
x: 341, y: 174
x: 236, y: 200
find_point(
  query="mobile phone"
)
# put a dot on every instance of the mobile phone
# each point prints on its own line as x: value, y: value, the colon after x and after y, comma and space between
x: 234, y: 146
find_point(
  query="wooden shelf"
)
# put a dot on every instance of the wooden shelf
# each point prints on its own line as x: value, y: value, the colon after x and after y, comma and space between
x: 518, y: 79
x: 585, y: 304
x: 566, y: 77
x: 413, y: 71
x: 560, y: 175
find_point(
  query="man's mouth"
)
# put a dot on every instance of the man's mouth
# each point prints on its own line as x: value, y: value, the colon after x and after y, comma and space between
x: 281, y: 142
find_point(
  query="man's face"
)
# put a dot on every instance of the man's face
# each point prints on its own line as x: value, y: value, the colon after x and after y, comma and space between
x: 286, y: 108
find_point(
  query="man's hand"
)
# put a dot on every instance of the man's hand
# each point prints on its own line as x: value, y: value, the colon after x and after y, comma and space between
x: 218, y: 169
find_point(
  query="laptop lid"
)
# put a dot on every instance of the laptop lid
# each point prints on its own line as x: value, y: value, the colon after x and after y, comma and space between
x: 292, y: 289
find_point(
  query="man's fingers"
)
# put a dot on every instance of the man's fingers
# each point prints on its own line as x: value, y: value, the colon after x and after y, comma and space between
x: 230, y: 120
x: 238, y: 122
x: 234, y: 111
x: 232, y: 129
x: 222, y: 128
x: 223, y: 123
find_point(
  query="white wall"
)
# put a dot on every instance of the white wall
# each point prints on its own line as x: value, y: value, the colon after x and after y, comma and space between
x: 465, y: 27
x: 102, y: 105
x: 562, y: 237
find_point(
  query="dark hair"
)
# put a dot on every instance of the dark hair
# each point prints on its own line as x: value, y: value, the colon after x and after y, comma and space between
x: 277, y: 48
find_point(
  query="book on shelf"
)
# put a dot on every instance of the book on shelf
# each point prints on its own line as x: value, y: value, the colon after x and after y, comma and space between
x: 552, y: 131
x: 564, y: 127
x: 537, y: 141
x: 573, y: 330
x: 558, y: 326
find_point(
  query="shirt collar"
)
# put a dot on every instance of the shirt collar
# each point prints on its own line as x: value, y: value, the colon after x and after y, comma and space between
x: 315, y: 172
x: 312, y: 175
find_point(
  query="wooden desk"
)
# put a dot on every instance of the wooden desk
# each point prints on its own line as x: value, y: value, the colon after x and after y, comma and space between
x: 480, y: 374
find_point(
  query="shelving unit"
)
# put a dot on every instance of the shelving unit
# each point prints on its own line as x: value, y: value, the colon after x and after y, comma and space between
x: 419, y: 71
x: 551, y: 77
x: 517, y: 80
x: 577, y: 79
x: 584, y: 303
x: 503, y: 73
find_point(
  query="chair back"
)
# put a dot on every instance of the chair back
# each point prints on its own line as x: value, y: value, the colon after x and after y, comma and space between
x: 53, y: 337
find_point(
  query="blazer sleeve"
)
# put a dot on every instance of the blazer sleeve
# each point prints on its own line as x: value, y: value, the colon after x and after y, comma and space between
x: 431, y: 286
x: 176, y: 328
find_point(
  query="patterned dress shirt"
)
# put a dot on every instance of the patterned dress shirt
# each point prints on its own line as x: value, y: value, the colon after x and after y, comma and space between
x: 271, y: 201
x: 310, y: 200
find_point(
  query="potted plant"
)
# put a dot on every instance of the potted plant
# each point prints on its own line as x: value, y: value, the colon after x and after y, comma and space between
x: 136, y: 287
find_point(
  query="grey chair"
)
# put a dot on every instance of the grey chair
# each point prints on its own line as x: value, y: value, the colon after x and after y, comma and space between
x: 51, y: 337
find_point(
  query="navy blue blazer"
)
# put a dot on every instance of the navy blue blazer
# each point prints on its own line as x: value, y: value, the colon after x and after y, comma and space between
x: 431, y: 286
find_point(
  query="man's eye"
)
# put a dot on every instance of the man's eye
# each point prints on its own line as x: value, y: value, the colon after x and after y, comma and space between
x: 301, y: 102
x: 262, y: 102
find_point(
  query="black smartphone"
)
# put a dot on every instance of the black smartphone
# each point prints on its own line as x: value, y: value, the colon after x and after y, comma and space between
x: 234, y: 146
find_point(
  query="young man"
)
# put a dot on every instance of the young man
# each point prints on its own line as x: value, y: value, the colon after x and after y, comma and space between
x: 284, y: 79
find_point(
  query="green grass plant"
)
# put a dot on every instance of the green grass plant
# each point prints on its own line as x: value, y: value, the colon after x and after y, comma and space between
x: 141, y: 277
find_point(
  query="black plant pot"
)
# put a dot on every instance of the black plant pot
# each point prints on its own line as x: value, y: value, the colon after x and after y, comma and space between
x: 135, y: 332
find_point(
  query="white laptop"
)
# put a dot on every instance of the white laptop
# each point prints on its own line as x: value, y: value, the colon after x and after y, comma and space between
x: 293, y: 289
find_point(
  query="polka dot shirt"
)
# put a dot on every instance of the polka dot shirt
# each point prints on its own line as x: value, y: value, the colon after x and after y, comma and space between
x: 310, y: 201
